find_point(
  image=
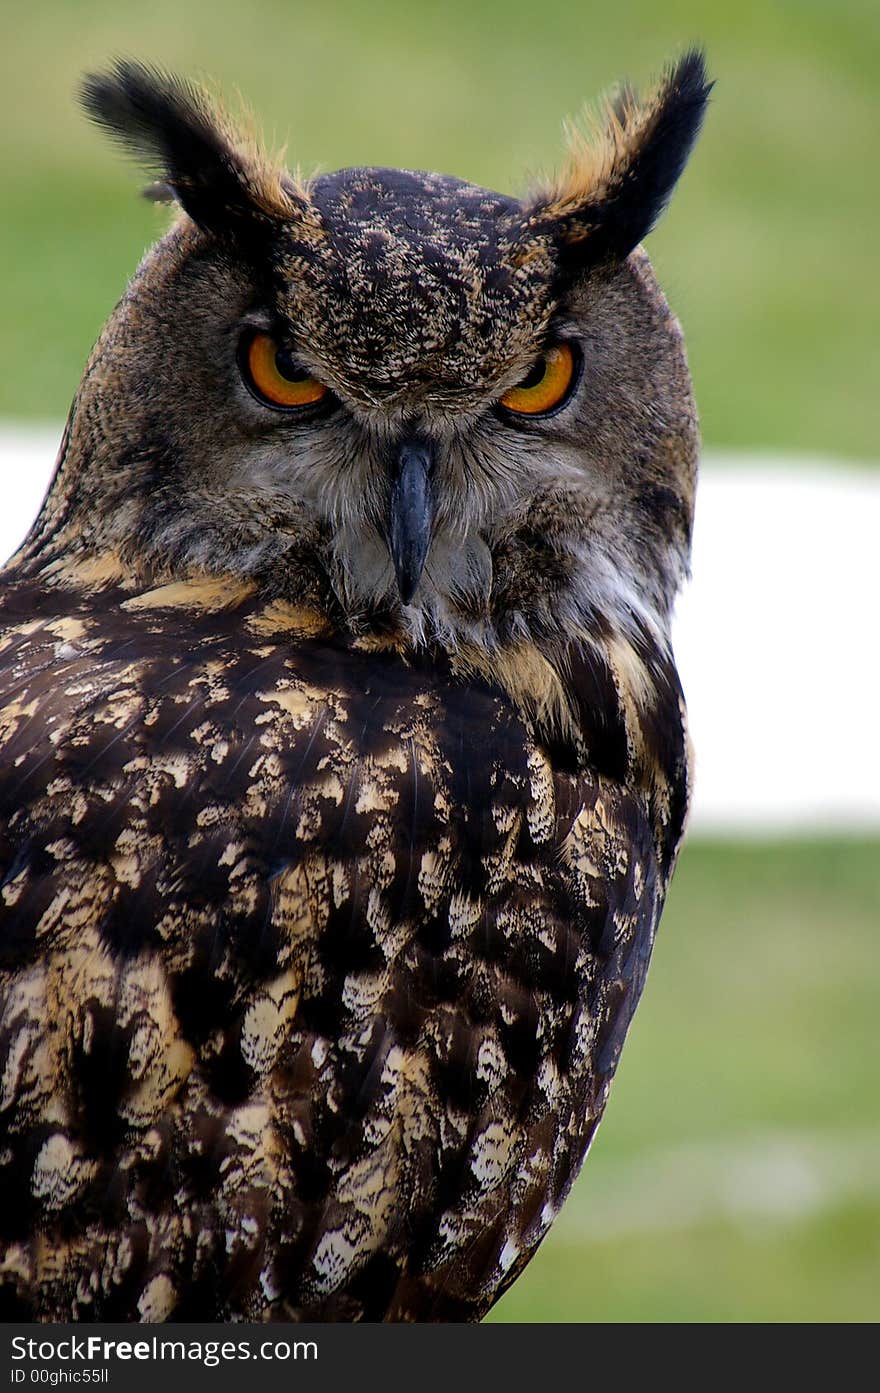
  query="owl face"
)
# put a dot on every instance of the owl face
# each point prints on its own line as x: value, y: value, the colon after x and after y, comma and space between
x: 433, y: 405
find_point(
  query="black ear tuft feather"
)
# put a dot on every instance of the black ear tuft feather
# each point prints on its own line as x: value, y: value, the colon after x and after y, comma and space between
x: 617, y: 185
x: 659, y: 159
x: 171, y: 126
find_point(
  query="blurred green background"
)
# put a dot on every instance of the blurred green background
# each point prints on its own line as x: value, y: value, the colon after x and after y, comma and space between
x: 736, y: 1174
x: 768, y: 253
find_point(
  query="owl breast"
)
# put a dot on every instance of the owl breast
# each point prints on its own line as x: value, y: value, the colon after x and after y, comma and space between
x: 316, y: 964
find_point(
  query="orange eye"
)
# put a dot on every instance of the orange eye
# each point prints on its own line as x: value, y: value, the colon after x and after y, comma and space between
x: 548, y: 385
x: 275, y: 376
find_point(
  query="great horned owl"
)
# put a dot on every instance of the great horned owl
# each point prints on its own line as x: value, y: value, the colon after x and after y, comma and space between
x: 343, y: 760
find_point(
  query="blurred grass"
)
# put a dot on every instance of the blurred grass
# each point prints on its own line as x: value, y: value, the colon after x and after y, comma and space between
x: 758, y: 1023
x: 823, y: 1268
x: 767, y: 252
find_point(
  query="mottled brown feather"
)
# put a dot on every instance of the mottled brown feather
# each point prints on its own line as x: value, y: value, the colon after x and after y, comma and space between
x: 315, y: 969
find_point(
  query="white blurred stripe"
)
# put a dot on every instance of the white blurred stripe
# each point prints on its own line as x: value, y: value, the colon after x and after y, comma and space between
x: 778, y: 644
x: 777, y: 637
x: 27, y: 454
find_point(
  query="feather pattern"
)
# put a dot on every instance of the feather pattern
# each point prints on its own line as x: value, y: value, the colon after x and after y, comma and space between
x: 315, y: 969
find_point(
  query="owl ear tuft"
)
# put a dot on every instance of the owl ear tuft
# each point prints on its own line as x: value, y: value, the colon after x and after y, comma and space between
x: 188, y: 143
x: 619, y: 176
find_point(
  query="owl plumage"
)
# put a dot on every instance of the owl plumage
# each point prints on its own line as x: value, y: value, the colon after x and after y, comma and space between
x: 344, y: 761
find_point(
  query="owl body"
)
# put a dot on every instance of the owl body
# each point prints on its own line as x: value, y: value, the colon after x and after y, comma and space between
x: 344, y: 761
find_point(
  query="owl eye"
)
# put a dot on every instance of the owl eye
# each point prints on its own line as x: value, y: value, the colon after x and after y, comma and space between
x: 275, y: 377
x: 548, y: 386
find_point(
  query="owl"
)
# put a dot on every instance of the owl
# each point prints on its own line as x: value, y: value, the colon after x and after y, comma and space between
x: 343, y: 759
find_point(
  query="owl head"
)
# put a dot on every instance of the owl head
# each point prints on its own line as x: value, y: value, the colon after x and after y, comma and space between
x: 411, y: 400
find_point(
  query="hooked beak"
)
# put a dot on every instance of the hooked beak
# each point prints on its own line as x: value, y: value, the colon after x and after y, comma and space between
x: 412, y: 513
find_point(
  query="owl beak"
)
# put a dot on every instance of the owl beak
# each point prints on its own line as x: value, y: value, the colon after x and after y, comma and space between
x: 412, y: 513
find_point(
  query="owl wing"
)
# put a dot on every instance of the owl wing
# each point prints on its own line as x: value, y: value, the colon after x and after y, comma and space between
x: 315, y: 969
